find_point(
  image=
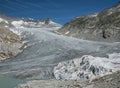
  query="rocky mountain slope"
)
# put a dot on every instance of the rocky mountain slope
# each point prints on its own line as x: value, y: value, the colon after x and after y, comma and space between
x: 10, y: 43
x: 108, y: 81
x: 100, y: 26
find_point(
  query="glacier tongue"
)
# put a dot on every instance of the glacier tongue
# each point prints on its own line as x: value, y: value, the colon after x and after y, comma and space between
x: 87, y: 67
x: 44, y: 50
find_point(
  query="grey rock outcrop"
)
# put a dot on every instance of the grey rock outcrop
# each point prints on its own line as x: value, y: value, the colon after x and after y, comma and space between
x: 100, y: 26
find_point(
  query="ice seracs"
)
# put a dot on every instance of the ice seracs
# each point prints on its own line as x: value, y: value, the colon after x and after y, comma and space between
x: 87, y: 67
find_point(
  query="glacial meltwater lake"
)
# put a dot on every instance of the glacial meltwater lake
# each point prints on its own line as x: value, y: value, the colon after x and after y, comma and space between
x: 9, y: 82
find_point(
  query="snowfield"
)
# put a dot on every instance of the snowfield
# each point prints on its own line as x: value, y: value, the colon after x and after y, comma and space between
x: 32, y: 24
x: 18, y: 24
x: 49, y: 56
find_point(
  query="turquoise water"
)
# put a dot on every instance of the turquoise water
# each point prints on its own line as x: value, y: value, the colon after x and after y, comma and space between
x: 7, y: 82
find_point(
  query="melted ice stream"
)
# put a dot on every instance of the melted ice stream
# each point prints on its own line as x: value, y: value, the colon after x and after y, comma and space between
x: 44, y: 50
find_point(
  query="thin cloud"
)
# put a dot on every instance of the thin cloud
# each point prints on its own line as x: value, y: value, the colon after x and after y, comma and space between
x: 52, y: 3
x: 29, y: 4
x: 19, y: 5
x: 38, y: 6
x: 8, y: 7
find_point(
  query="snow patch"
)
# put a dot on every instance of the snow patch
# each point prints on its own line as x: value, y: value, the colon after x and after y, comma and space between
x: 18, y: 24
x: 67, y: 32
x: 93, y: 15
x: 51, y: 22
x: 110, y: 13
x: 3, y: 20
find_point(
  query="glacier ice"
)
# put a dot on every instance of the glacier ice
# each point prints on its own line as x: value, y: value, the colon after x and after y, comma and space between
x: 87, y: 67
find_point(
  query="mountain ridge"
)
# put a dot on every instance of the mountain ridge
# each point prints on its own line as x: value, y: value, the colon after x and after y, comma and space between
x: 99, y: 26
x: 6, y: 21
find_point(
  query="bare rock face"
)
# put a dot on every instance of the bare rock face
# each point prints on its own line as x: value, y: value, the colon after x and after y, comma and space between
x: 10, y: 43
x: 101, y: 26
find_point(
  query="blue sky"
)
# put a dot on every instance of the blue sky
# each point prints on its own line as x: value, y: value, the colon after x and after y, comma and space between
x: 60, y: 11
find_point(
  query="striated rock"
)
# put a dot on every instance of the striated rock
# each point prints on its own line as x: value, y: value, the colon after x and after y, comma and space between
x: 100, y: 26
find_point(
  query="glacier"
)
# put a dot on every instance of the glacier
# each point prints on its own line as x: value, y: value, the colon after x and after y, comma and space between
x: 44, y: 50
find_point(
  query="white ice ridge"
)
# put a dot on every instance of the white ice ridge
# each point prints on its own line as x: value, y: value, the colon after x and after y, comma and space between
x: 87, y: 67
